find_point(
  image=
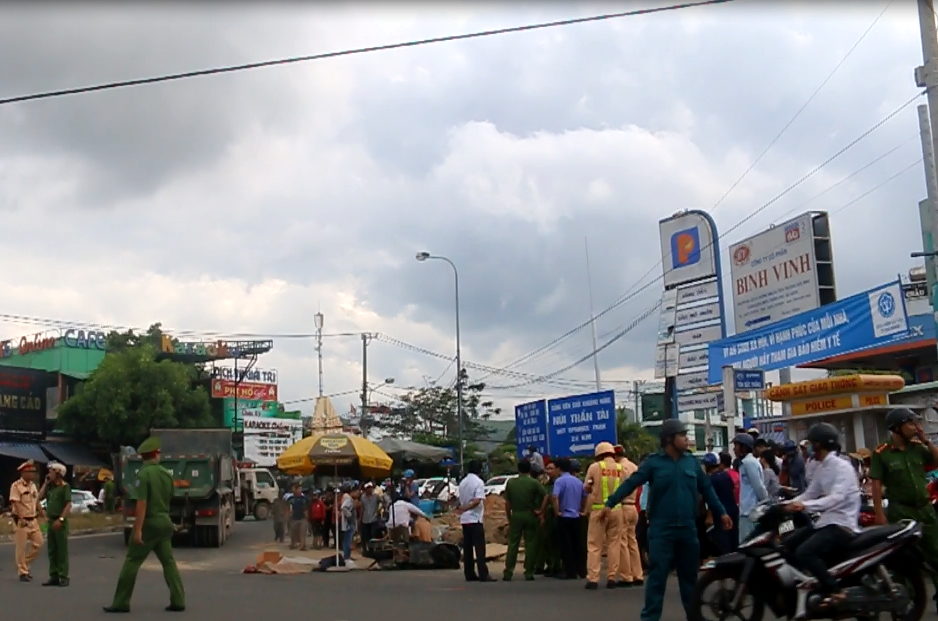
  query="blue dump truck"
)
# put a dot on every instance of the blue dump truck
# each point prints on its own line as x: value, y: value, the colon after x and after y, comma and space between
x: 205, y: 481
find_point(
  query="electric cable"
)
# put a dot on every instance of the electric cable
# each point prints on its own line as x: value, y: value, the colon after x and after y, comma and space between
x: 350, y: 52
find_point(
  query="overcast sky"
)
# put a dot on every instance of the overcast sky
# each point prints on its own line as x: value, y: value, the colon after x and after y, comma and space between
x: 242, y: 203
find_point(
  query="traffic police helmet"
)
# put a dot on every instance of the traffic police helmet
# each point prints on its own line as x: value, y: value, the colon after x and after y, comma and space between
x: 898, y: 417
x: 671, y: 427
x: 825, y: 435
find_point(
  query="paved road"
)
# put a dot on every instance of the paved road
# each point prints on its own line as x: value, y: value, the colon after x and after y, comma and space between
x: 217, y: 590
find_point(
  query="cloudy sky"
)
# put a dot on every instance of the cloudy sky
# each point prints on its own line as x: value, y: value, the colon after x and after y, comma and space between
x: 242, y: 203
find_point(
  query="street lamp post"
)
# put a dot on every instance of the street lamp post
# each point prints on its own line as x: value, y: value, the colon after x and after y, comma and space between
x: 423, y: 256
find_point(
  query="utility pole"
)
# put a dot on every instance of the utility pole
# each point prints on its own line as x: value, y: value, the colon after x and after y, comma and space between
x: 365, y: 337
x: 589, y: 282
x: 638, y: 399
x: 926, y: 77
x: 319, y: 324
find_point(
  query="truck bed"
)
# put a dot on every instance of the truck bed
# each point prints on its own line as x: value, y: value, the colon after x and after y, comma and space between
x: 193, y: 477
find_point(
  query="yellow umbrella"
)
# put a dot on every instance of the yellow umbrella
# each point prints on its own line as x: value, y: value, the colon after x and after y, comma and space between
x: 346, y: 455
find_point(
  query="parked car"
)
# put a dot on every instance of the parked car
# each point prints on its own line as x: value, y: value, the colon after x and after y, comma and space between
x: 496, y: 485
x: 82, y: 502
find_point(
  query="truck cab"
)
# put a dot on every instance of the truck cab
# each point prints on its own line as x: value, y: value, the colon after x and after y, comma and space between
x: 255, y: 493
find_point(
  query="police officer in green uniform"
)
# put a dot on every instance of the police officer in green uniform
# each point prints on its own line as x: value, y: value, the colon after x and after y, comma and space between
x: 676, y: 480
x: 548, y: 550
x: 58, y: 495
x: 153, y: 531
x: 899, y: 466
x: 523, y: 498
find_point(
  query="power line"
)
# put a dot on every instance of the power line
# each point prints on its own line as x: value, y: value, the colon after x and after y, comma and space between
x: 350, y: 52
x: 878, y: 186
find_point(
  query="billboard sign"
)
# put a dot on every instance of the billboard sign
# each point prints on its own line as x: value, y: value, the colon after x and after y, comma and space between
x: 687, y: 248
x: 531, y: 427
x: 265, y: 438
x: 222, y: 389
x: 578, y: 423
x: 246, y: 407
x: 23, y: 401
x: 873, y: 318
x: 255, y: 376
x: 775, y: 274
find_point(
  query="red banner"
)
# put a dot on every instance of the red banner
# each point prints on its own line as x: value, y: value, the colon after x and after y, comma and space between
x: 246, y: 391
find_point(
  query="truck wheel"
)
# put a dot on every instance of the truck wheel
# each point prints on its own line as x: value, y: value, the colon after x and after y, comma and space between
x: 211, y: 536
x: 239, y: 515
x: 261, y: 511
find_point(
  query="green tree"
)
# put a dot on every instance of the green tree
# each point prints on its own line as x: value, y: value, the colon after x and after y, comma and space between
x: 130, y: 393
x: 429, y: 415
x: 119, y: 341
x: 634, y: 438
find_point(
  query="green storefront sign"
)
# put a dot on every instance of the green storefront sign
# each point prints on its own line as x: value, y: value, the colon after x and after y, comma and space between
x: 652, y: 406
x: 257, y: 408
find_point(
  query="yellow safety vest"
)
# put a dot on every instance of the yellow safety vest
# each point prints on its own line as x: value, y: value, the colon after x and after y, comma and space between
x: 604, y: 475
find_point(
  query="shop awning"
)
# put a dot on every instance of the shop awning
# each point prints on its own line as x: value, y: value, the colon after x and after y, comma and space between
x: 24, y: 451
x: 79, y: 375
x: 72, y: 454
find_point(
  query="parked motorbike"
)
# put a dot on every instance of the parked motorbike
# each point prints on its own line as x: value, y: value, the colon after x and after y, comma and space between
x: 879, y: 571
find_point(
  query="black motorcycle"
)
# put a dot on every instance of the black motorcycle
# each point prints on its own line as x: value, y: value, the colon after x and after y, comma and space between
x: 879, y: 571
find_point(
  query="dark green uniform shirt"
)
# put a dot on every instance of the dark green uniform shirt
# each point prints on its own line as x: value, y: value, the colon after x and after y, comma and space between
x: 673, y: 493
x: 902, y: 473
x: 524, y: 494
x: 57, y: 496
x: 155, y: 486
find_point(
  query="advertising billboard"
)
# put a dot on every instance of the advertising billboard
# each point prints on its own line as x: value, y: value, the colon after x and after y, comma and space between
x: 687, y: 248
x: 531, y: 427
x: 265, y: 438
x: 577, y: 424
x: 782, y: 271
x: 253, y: 375
x: 248, y: 391
x: 23, y: 401
x: 870, y: 319
x: 246, y: 407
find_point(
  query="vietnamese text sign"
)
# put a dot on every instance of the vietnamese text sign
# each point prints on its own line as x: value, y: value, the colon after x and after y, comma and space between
x: 696, y: 292
x: 248, y: 391
x: 246, y: 407
x: 774, y: 274
x: 255, y: 376
x: 531, y: 427
x: 578, y: 423
x: 870, y: 319
x: 697, y: 314
x: 748, y: 379
x: 23, y: 401
x: 692, y: 359
x: 688, y: 381
x: 698, y: 336
x: 266, y: 438
x: 697, y: 401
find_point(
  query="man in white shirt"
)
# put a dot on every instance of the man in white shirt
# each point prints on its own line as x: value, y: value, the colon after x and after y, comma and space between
x: 835, y: 494
x: 471, y: 511
x: 401, y: 512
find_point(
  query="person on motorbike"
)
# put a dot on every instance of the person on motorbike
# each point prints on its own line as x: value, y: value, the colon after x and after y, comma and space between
x: 899, y: 467
x: 835, y: 494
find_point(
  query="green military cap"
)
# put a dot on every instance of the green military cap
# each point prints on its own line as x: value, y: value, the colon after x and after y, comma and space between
x: 150, y: 445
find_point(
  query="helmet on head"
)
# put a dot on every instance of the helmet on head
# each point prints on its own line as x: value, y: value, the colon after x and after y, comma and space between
x: 899, y: 416
x: 824, y: 434
x: 671, y: 427
x: 408, y: 474
x: 745, y: 439
x: 710, y: 459
x: 604, y: 448
x: 789, y: 446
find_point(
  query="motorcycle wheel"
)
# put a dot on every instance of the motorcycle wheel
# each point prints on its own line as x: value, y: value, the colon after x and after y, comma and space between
x: 718, y: 604
x: 913, y: 580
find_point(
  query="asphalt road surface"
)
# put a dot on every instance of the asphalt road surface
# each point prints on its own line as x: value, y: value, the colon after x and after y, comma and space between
x: 217, y: 590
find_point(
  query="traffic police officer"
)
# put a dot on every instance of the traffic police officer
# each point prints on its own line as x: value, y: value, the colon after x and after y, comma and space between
x: 602, y: 478
x: 24, y: 504
x: 58, y: 495
x: 523, y: 497
x: 153, y: 531
x: 676, y: 481
x: 899, y: 466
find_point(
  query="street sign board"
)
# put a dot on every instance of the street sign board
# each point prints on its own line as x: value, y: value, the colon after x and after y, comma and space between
x: 666, y: 318
x: 666, y: 361
x: 693, y: 359
x: 697, y: 401
x: 698, y: 336
x: 578, y: 423
x: 775, y: 274
x: 697, y: 314
x: 696, y: 292
x: 748, y: 379
x: 688, y: 381
x: 531, y: 427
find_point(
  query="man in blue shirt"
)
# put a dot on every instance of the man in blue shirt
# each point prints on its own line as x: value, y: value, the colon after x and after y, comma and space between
x: 676, y: 483
x: 567, y: 498
x: 751, y: 484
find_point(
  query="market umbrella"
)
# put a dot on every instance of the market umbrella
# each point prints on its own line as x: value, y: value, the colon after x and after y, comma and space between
x: 346, y: 455
x: 413, y: 451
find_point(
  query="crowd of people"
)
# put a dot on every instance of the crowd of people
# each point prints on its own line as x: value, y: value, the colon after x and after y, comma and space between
x: 348, y: 511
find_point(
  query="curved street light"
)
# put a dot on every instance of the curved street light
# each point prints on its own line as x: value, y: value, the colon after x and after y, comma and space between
x: 423, y: 256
